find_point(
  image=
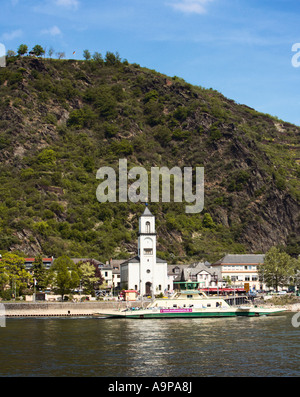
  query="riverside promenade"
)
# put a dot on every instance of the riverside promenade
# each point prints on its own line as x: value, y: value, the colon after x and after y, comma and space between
x: 62, y: 309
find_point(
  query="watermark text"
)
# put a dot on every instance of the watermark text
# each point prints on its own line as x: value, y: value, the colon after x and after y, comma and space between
x: 296, y: 57
x: 296, y: 320
x: 187, y: 185
x: 2, y: 316
x: 2, y: 56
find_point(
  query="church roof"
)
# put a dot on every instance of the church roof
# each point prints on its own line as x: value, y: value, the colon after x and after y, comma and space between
x: 147, y: 212
x: 136, y: 259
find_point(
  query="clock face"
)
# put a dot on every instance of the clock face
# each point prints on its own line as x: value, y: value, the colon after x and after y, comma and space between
x: 148, y: 242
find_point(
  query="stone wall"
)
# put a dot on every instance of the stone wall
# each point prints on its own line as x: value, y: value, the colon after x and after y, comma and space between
x: 42, y: 309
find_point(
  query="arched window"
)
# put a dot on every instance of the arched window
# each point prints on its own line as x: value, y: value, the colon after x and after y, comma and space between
x: 147, y: 227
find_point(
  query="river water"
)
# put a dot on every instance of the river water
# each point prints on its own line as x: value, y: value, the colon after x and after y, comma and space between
x: 81, y: 347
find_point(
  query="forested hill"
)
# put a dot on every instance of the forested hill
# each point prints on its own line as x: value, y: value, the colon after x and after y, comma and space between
x: 61, y: 120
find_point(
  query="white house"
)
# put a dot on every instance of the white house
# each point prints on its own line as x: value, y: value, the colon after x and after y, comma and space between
x: 241, y: 269
x: 203, y: 273
x: 145, y: 272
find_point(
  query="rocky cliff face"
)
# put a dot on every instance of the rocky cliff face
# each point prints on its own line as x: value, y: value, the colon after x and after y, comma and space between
x: 62, y: 120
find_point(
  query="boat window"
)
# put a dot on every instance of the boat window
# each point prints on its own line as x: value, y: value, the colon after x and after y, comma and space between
x: 208, y: 305
x: 190, y: 296
x: 174, y: 305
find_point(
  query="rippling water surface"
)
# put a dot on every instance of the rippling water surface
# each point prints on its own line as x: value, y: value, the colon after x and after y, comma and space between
x: 264, y: 346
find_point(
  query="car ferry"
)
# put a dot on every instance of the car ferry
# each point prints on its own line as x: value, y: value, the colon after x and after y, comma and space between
x: 190, y: 304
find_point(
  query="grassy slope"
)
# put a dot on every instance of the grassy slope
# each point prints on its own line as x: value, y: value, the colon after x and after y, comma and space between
x: 62, y: 120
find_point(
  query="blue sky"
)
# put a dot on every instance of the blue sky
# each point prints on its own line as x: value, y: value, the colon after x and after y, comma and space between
x: 242, y: 48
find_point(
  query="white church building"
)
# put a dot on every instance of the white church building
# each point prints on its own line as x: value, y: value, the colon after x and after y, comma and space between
x: 146, y: 273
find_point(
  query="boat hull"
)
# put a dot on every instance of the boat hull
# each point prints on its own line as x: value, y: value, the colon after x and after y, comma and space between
x: 148, y: 314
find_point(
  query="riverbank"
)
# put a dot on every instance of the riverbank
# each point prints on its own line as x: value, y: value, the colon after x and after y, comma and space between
x: 70, y: 309
x: 290, y: 308
x: 59, y: 309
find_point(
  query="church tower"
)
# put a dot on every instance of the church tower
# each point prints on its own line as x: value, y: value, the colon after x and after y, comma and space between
x: 146, y: 273
x: 147, y: 251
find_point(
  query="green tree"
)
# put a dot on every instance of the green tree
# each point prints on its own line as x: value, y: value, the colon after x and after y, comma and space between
x: 81, y: 118
x: 87, y: 55
x: 39, y: 273
x: 215, y: 133
x: 4, y: 278
x: 42, y: 228
x: 23, y: 49
x: 66, y: 275
x: 293, y: 245
x: 47, y: 157
x: 13, y: 275
x: 277, y: 269
x: 51, y: 52
x: 208, y: 221
x: 163, y: 135
x: 295, y: 279
x: 61, y: 55
x: 10, y: 53
x: 112, y: 59
x: 98, y: 57
x: 88, y: 278
x: 38, y: 50
x: 181, y: 113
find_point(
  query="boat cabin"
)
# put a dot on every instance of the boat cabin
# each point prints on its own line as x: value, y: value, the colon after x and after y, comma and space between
x: 190, y: 299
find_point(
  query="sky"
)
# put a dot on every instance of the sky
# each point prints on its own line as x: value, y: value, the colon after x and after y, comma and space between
x: 245, y: 49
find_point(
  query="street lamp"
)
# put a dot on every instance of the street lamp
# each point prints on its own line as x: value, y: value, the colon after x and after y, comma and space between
x: 234, y: 279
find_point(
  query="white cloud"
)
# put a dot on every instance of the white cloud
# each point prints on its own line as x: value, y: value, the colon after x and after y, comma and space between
x: 191, y: 6
x: 54, y: 31
x: 52, y: 7
x: 12, y: 35
x: 68, y: 3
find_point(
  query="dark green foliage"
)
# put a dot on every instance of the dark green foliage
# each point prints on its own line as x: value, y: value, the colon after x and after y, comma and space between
x: 238, y: 180
x: 112, y: 59
x: 293, y: 245
x: 153, y: 111
x: 38, y: 50
x: 61, y: 120
x: 151, y: 96
x: 5, y: 141
x: 22, y: 50
x: 215, y: 133
x: 122, y: 148
x: 47, y: 158
x: 181, y: 134
x: 15, y: 78
x: 181, y: 113
x: 163, y: 135
x: 110, y: 129
x: 279, y: 181
x: 81, y: 118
